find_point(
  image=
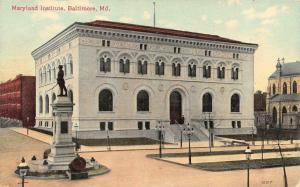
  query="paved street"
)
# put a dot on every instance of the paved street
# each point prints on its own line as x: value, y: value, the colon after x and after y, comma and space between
x: 132, y: 169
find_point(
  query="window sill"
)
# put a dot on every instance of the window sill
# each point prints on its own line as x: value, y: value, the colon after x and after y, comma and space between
x: 143, y: 112
x: 106, y: 112
x: 235, y: 112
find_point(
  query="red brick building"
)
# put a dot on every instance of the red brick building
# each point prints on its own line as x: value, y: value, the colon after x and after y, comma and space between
x: 260, y: 99
x: 17, y: 99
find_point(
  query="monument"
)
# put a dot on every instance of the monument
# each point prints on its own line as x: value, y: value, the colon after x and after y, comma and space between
x: 63, y: 160
x: 62, y: 148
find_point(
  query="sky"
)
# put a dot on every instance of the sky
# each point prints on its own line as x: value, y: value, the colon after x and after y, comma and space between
x: 273, y: 24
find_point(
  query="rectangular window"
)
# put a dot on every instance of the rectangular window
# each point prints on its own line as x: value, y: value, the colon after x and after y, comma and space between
x: 145, y: 47
x: 110, y: 126
x: 140, y: 125
x: 147, y: 125
x: 239, y: 124
x: 211, y: 124
x: 103, y: 43
x: 108, y: 43
x: 175, y: 49
x: 233, y: 124
x: 209, y: 53
x: 205, y: 124
x: 64, y: 127
x: 102, y: 126
x: 141, y: 46
x: 178, y: 50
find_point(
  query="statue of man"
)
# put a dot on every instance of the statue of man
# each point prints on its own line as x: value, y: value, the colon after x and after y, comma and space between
x: 61, y: 81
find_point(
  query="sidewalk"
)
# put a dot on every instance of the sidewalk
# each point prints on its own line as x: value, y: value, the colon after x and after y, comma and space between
x: 202, y: 145
x: 225, y: 158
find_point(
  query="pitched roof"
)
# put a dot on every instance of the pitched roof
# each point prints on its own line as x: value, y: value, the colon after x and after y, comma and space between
x: 287, y: 97
x: 148, y: 29
x: 287, y: 69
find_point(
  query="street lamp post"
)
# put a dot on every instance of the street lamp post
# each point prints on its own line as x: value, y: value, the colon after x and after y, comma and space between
x: 76, y: 136
x: 23, y: 169
x: 181, y: 136
x: 160, y: 127
x: 108, y: 140
x: 27, y: 124
x: 189, y: 132
x: 248, y: 153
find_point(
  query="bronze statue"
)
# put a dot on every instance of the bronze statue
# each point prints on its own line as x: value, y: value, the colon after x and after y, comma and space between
x: 61, y: 81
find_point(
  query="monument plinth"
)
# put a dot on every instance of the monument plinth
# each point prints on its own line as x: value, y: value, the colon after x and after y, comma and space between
x: 62, y: 148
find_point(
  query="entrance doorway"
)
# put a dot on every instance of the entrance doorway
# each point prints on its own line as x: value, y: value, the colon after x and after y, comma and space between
x: 175, y: 107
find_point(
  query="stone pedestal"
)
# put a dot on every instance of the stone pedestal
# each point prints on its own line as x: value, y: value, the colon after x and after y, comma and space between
x: 62, y: 147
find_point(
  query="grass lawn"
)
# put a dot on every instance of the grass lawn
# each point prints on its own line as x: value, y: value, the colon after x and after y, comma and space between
x: 242, y: 164
x: 220, y: 152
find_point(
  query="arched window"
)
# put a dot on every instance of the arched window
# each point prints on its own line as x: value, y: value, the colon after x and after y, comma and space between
x: 274, y: 89
x: 142, y: 66
x: 176, y: 69
x: 206, y: 71
x: 47, y: 104
x: 221, y: 72
x: 124, y: 65
x: 53, y: 97
x: 295, y: 87
x: 65, y: 69
x: 70, y: 95
x: 295, y: 109
x: 159, y: 67
x: 41, y: 105
x: 235, y: 73
x: 44, y: 75
x: 192, y: 70
x: 284, y: 88
x: 49, y: 73
x: 274, y: 116
x: 143, y: 101
x: 235, y: 103
x: 284, y: 111
x: 105, y: 100
x: 207, y: 103
x: 105, y: 63
x: 40, y: 76
x: 70, y: 64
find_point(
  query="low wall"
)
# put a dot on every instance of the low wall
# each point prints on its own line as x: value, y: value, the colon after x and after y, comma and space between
x: 233, y: 131
x: 151, y: 134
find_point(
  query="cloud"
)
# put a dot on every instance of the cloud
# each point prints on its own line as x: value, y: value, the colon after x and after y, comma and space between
x: 218, y: 22
x: 228, y: 2
x: 146, y: 15
x: 51, y: 30
x: 233, y: 2
x: 266, y: 16
x: 268, y: 21
x: 203, y: 17
x: 231, y: 24
x: 126, y: 19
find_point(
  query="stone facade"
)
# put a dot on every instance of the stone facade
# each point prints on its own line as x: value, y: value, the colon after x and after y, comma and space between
x: 283, y: 99
x: 82, y: 47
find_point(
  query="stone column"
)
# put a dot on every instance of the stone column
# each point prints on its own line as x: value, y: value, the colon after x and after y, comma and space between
x: 62, y: 148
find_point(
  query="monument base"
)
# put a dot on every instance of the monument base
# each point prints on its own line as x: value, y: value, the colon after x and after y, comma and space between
x: 77, y: 175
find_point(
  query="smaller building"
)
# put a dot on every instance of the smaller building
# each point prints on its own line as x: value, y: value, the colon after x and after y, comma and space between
x: 17, y: 100
x: 260, y: 109
x: 284, y: 95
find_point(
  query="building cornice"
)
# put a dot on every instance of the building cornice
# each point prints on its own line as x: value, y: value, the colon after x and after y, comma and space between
x: 81, y: 30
